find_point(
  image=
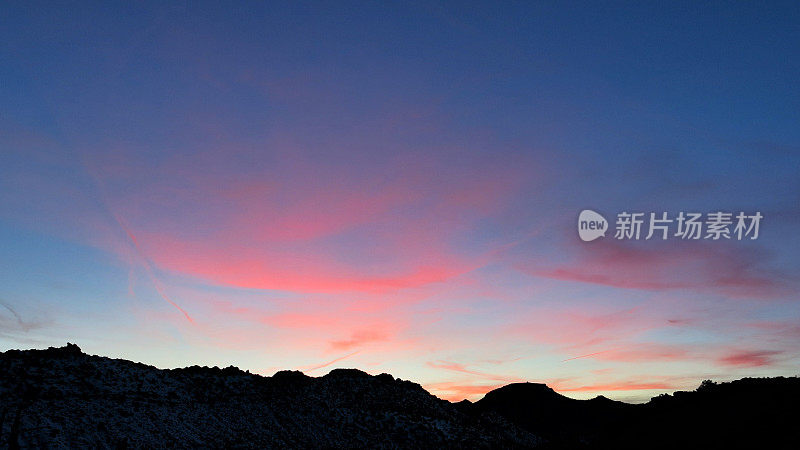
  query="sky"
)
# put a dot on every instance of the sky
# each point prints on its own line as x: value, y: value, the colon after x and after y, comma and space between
x: 395, y: 186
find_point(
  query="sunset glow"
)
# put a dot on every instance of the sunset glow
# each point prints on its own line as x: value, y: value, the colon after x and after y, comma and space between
x: 308, y: 189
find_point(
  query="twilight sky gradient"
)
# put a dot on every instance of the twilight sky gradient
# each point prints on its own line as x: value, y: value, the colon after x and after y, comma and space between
x: 394, y: 186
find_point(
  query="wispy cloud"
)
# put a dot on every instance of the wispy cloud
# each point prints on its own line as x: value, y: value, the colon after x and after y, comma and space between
x: 694, y: 266
x: 329, y: 363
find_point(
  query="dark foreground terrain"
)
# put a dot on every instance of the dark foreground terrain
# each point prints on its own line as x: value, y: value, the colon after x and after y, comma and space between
x: 60, y: 397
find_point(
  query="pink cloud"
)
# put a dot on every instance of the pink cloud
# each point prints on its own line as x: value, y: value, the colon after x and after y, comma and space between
x: 780, y: 328
x: 325, y: 228
x: 697, y: 266
x: 746, y: 358
x: 302, y: 270
x: 359, y: 338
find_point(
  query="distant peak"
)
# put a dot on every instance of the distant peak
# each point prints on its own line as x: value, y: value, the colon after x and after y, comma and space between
x: 522, y: 392
x: 525, y: 387
x: 347, y: 373
x: 72, y: 348
x: 289, y: 374
x: 69, y: 349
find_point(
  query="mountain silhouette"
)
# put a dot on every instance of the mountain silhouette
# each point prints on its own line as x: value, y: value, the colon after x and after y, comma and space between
x: 750, y: 413
x: 63, y: 398
x: 541, y: 410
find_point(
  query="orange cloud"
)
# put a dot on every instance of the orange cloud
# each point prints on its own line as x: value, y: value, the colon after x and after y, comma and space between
x: 616, y: 387
x: 457, y: 391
